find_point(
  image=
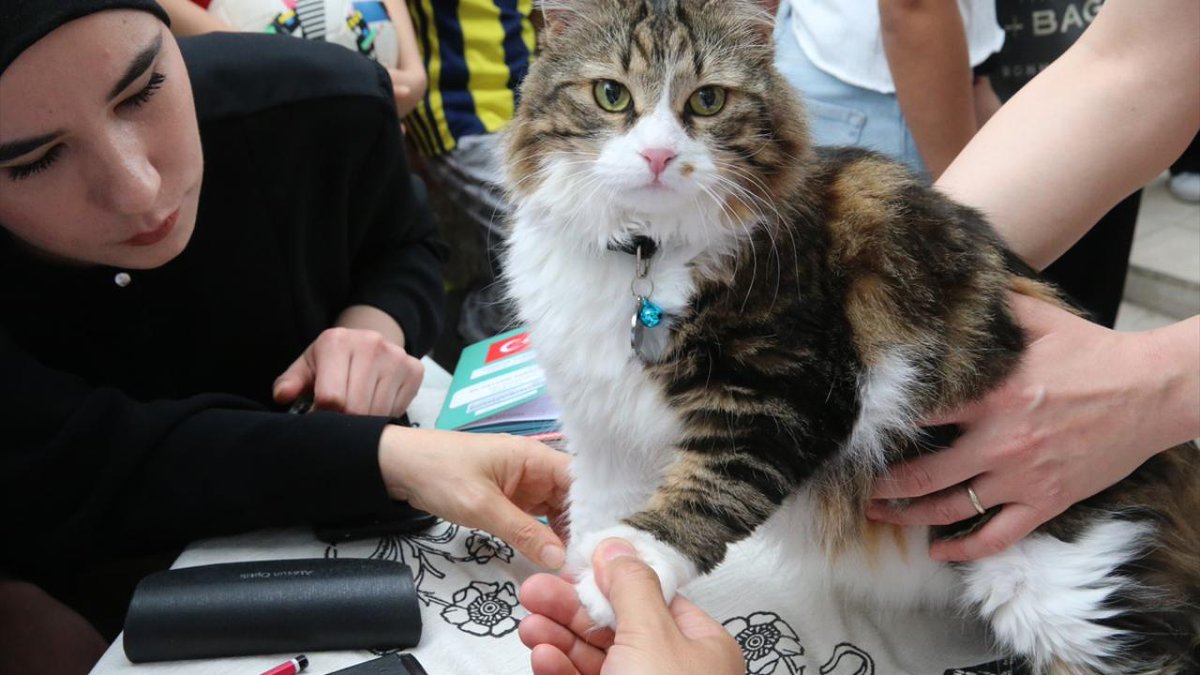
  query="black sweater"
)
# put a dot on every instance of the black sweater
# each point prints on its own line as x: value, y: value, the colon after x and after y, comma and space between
x: 140, y: 417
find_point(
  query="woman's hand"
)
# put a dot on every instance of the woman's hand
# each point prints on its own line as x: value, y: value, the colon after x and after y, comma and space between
x: 651, y: 638
x: 408, y: 88
x: 490, y: 481
x: 354, y: 371
x: 1085, y: 408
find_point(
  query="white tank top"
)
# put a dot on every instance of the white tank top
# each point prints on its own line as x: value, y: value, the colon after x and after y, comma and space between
x: 842, y: 38
x: 361, y: 26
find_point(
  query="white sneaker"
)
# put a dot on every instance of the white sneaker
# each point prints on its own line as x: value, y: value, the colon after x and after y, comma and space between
x: 1186, y: 186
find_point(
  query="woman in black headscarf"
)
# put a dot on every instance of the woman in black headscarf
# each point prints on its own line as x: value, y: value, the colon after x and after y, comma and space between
x: 192, y: 236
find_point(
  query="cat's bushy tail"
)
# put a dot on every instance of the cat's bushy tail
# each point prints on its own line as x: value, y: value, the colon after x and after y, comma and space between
x: 1025, y: 280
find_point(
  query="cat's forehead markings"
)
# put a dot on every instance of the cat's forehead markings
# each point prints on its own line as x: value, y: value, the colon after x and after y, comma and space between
x: 657, y: 42
x: 663, y: 109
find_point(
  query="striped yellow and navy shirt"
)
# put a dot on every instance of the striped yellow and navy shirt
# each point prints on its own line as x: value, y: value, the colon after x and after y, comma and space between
x: 476, y: 52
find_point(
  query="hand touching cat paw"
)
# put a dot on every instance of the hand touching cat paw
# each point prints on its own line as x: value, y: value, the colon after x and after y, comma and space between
x: 653, y: 637
x: 593, y: 601
x: 673, y: 569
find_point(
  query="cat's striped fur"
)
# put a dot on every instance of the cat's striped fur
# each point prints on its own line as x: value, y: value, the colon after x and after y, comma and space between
x: 820, y: 303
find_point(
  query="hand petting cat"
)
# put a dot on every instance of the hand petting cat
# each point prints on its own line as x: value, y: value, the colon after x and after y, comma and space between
x: 651, y: 638
x: 1066, y: 425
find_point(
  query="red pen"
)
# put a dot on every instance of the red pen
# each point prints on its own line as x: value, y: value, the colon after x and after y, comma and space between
x: 291, y: 667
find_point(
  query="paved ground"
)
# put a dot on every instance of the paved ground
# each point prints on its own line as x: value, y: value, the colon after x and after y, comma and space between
x: 1164, y: 277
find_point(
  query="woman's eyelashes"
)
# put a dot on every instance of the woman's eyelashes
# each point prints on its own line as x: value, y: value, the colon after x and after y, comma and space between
x: 140, y: 98
x: 36, y: 166
x: 42, y: 163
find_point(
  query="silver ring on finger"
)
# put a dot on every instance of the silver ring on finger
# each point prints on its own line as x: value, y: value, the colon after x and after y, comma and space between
x: 974, y: 499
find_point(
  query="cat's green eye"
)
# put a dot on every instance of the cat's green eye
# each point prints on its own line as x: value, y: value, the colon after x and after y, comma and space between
x: 612, y: 96
x: 707, y: 101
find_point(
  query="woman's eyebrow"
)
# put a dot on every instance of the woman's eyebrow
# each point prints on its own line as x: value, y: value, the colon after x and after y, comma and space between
x: 139, y: 65
x: 14, y: 149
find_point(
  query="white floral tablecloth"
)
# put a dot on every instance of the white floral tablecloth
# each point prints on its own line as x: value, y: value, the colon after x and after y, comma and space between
x: 787, y: 623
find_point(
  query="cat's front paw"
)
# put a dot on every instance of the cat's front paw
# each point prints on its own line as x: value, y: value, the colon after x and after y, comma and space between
x: 598, y: 607
x: 673, y: 569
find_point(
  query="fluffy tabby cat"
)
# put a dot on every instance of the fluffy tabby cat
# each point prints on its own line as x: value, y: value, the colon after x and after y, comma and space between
x: 816, y: 304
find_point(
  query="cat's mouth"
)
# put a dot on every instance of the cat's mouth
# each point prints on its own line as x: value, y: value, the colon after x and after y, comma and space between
x: 660, y: 184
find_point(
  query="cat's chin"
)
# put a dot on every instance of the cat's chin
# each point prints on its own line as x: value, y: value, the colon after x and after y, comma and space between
x: 657, y: 188
x: 656, y: 199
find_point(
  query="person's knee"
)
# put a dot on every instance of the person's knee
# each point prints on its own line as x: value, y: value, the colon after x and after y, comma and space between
x: 39, y: 634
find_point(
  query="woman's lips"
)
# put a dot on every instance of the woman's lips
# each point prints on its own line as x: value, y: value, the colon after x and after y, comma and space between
x: 157, y: 234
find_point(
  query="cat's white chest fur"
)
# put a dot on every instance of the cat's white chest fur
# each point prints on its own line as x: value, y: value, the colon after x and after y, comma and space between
x: 579, y: 306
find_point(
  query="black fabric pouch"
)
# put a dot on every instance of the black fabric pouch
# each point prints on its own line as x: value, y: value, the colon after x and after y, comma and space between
x: 270, y: 607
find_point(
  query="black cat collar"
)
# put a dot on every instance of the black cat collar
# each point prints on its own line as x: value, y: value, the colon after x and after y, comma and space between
x: 649, y: 246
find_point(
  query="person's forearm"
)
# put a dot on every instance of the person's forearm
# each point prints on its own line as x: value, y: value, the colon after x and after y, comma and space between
x: 129, y: 474
x: 397, y: 266
x: 408, y: 54
x: 366, y: 317
x: 1173, y: 357
x: 1099, y: 123
x: 926, y: 49
x: 986, y: 100
x: 188, y: 19
x: 409, y: 80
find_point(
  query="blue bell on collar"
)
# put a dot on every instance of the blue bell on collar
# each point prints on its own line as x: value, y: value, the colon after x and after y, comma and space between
x: 650, y: 315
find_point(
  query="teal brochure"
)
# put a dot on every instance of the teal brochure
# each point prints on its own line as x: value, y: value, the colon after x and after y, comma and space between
x: 499, y: 387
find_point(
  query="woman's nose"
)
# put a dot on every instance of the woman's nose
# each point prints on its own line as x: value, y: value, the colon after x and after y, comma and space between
x: 125, y: 180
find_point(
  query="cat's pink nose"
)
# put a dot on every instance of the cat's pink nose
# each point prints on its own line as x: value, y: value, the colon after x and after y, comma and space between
x: 658, y: 159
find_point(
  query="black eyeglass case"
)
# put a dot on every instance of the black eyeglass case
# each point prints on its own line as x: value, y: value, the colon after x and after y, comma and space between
x: 270, y: 607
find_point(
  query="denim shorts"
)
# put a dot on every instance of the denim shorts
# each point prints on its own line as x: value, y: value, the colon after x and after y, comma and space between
x: 840, y: 113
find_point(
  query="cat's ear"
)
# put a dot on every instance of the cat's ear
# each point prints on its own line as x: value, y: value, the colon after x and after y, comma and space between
x: 759, y: 15
x: 558, y: 15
